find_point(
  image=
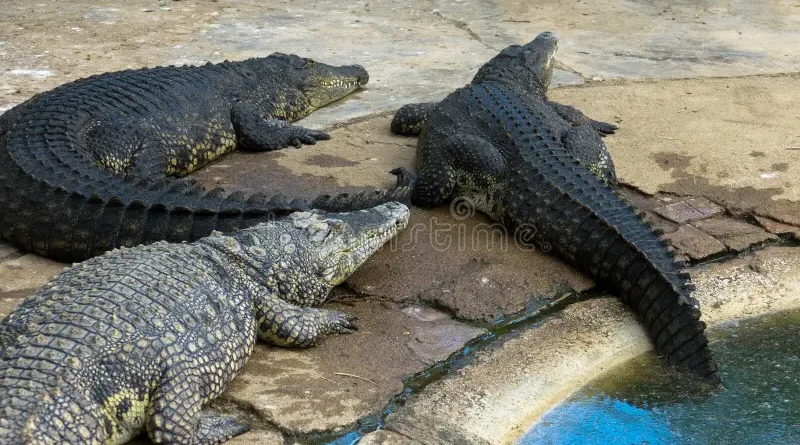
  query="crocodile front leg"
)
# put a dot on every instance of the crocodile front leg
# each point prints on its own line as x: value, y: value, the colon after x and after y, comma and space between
x: 284, y: 324
x: 254, y: 132
x: 576, y: 118
x: 585, y: 144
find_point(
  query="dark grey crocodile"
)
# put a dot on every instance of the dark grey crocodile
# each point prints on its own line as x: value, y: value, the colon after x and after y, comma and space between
x: 542, y: 170
x: 143, y: 338
x: 92, y: 165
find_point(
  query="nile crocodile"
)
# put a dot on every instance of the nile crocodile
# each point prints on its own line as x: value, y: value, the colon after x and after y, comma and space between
x: 143, y: 338
x: 542, y: 170
x: 94, y: 164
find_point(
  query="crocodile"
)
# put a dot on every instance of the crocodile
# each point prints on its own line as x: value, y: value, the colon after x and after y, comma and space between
x: 143, y: 338
x: 542, y: 169
x: 99, y: 163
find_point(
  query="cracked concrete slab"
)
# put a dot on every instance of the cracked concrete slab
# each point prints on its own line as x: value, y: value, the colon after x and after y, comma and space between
x: 626, y: 39
x: 467, y: 266
x: 778, y: 228
x: 694, y: 244
x: 689, y: 210
x: 736, y: 235
x: 411, y: 53
x: 415, y: 51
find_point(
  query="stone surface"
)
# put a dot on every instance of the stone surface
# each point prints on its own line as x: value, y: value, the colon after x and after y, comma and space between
x: 689, y: 210
x: 727, y: 141
x: 736, y: 235
x: 10, y: 300
x: 415, y: 51
x: 435, y: 337
x: 763, y: 282
x: 27, y: 273
x: 349, y: 376
x: 7, y: 251
x: 468, y: 265
x: 732, y: 140
x: 694, y: 244
x: 428, y: 430
x: 779, y: 228
x: 540, y: 367
x: 359, y: 155
x: 620, y: 39
x: 258, y: 437
x: 384, y: 437
x: 253, y: 437
x: 501, y: 393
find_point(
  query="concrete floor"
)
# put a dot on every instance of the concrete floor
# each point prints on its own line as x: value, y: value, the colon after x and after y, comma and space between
x: 705, y: 94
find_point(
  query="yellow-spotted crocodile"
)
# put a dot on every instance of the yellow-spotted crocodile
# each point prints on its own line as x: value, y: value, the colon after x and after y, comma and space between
x: 542, y: 169
x: 143, y: 338
x: 94, y: 164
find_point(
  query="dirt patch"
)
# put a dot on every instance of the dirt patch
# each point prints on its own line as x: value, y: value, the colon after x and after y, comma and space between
x: 469, y: 266
x: 323, y: 160
x: 263, y: 173
x: 780, y: 167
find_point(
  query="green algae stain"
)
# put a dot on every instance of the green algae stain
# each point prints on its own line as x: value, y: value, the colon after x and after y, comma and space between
x: 645, y: 401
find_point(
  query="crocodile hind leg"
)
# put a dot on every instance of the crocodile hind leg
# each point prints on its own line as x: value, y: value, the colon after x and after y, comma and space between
x: 284, y: 324
x: 585, y: 144
x: 176, y: 415
x: 410, y: 118
x: 576, y: 118
x: 456, y: 160
x: 256, y: 133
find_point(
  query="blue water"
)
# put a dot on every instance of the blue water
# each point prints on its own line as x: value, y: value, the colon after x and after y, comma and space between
x: 646, y: 402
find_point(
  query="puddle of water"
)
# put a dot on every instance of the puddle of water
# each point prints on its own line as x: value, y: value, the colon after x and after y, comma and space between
x: 647, y: 402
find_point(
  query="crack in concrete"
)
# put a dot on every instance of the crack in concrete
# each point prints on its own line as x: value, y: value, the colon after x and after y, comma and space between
x: 464, y: 27
x: 368, y: 141
x: 564, y: 67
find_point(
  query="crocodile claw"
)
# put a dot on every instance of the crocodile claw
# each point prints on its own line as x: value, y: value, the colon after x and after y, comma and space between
x: 604, y: 128
x: 341, y: 322
x: 309, y: 137
x: 404, y: 177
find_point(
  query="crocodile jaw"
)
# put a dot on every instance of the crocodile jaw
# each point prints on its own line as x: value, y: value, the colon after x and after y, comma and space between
x: 360, y: 235
x: 334, y: 83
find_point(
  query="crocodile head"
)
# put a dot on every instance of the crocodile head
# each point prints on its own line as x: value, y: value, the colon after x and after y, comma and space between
x: 305, y: 255
x: 527, y: 67
x: 318, y: 83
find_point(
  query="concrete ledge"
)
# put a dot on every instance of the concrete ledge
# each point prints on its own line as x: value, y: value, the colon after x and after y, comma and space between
x: 498, y: 397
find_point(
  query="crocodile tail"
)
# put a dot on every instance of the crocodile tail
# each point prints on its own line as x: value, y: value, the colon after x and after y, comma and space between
x: 592, y: 228
x: 345, y: 202
x: 78, y: 219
